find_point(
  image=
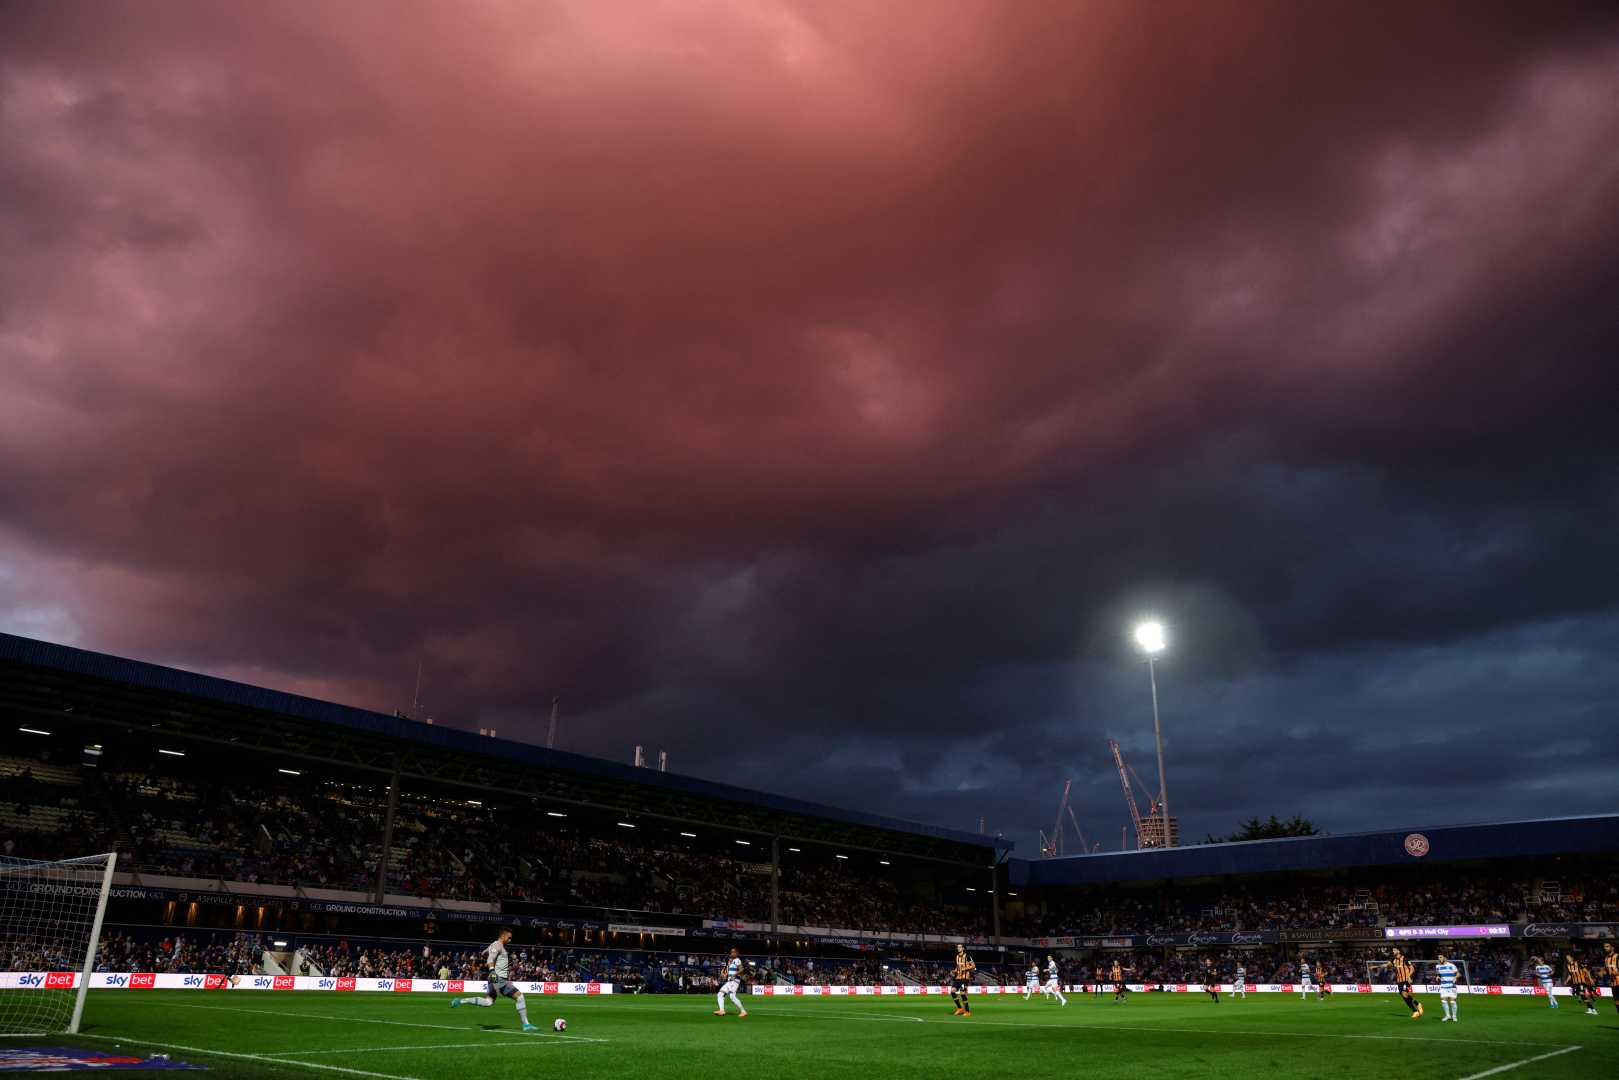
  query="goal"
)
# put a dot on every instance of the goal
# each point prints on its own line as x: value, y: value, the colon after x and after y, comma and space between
x: 50, y: 924
x: 1382, y: 971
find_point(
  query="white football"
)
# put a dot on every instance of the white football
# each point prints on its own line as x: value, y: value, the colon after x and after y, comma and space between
x: 559, y: 1024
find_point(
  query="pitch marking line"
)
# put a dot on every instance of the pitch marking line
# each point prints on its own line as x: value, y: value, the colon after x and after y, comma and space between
x: 1154, y: 1028
x: 538, y: 1041
x: 250, y: 1057
x: 371, y: 1020
x: 1087, y: 1025
x: 898, y: 1019
x: 1516, y: 1064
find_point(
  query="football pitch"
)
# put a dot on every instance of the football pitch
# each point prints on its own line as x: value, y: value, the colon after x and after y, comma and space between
x: 419, y: 1037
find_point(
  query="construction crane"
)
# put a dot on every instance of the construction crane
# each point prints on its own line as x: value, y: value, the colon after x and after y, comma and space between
x: 1085, y: 844
x: 1051, y: 846
x: 1125, y: 775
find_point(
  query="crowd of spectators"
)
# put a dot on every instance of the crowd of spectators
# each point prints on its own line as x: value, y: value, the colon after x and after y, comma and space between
x: 1294, y: 903
x: 330, y: 835
x: 219, y: 831
x: 445, y: 849
x: 205, y: 952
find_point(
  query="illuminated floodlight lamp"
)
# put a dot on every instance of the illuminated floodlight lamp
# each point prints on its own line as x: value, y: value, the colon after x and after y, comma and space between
x: 1150, y: 637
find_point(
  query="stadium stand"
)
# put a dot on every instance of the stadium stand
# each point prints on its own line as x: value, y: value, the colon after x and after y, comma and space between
x: 261, y: 831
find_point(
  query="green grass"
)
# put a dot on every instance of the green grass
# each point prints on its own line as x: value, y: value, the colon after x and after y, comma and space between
x: 418, y: 1036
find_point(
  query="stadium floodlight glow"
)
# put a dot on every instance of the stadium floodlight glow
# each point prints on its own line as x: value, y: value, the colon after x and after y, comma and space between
x: 971, y: 889
x: 840, y: 856
x: 173, y: 753
x: 474, y: 802
x: 745, y: 843
x: 690, y: 834
x: 279, y: 944
x: 1150, y: 636
x: 884, y: 862
x: 555, y: 813
x: 795, y: 851
x: 625, y: 825
x: 32, y: 731
x: 290, y: 772
x: 1011, y: 894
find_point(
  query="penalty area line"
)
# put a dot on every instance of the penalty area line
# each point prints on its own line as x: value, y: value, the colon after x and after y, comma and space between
x: 1515, y: 1064
x: 250, y: 1057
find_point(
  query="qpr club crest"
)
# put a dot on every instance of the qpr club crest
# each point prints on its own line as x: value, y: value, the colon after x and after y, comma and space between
x: 1416, y: 845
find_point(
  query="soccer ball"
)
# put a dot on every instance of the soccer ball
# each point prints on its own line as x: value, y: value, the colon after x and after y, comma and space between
x: 559, y: 1024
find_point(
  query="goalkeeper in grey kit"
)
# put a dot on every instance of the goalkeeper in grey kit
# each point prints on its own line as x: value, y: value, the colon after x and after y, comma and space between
x: 497, y: 968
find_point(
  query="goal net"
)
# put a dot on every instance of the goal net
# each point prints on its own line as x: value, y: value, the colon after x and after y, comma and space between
x: 50, y: 923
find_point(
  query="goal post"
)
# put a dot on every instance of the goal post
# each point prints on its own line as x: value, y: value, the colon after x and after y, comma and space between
x: 51, y: 914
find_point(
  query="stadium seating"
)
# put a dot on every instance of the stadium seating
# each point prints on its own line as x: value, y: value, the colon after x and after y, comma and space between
x: 281, y: 832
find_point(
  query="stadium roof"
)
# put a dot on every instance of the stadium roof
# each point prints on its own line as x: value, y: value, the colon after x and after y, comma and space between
x: 43, y: 680
x: 1388, y: 847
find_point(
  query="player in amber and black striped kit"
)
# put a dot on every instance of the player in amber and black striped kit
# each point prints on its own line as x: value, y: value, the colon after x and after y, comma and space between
x: 1402, y: 978
x: 1580, y: 981
x: 961, y: 977
x: 1610, y: 965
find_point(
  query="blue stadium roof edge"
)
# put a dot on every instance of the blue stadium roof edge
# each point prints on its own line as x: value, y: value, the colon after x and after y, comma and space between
x: 1588, y: 835
x: 140, y: 673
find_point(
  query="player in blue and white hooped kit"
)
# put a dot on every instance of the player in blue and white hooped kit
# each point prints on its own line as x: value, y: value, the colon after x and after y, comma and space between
x: 1054, y: 980
x: 1446, y: 972
x: 1544, y: 973
x: 1239, y: 982
x: 1305, y: 985
x: 733, y: 983
x: 497, y: 969
x: 1031, y: 981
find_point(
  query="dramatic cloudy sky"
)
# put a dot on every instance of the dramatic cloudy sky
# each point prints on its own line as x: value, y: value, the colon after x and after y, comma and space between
x: 818, y: 390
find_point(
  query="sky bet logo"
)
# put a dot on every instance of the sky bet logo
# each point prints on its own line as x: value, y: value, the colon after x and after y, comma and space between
x: 196, y: 980
x: 59, y: 980
x: 345, y: 982
x: 385, y: 984
x: 143, y: 981
x: 263, y: 982
x: 30, y: 980
x: 117, y: 980
x: 402, y: 984
x: 326, y: 984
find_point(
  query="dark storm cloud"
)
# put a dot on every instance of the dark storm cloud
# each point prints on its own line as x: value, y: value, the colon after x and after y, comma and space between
x: 764, y: 378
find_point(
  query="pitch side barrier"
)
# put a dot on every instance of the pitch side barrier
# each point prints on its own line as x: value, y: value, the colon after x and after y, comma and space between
x: 823, y: 990
x: 142, y: 980
x: 123, y: 980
